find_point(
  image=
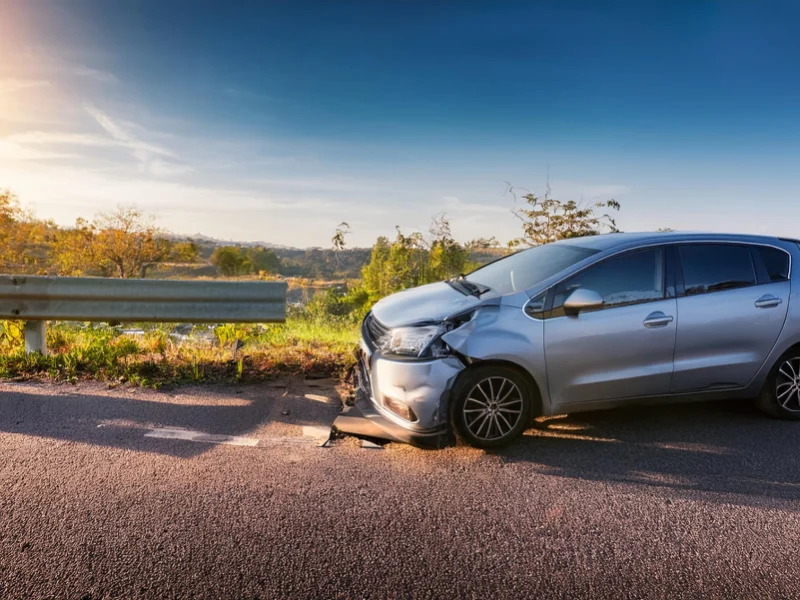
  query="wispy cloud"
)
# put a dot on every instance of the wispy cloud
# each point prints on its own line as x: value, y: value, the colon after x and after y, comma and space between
x: 456, y: 205
x: 320, y: 184
x: 46, y: 138
x: 16, y: 85
x: 574, y: 190
x: 163, y: 168
x: 152, y: 159
x: 142, y: 150
x: 17, y: 152
x: 56, y: 65
x: 96, y: 74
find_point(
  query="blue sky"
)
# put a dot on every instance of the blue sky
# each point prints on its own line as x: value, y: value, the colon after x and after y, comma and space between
x: 277, y: 120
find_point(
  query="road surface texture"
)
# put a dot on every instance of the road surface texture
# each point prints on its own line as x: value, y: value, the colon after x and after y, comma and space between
x: 672, y: 502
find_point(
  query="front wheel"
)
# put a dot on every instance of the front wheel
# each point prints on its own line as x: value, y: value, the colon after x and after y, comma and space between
x: 780, y: 396
x: 491, y: 406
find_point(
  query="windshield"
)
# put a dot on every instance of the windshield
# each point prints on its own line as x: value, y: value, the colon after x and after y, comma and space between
x: 525, y: 269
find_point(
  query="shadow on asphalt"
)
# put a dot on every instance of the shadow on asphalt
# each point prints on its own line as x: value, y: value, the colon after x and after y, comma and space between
x: 723, y: 447
x: 720, y: 447
x: 121, y: 421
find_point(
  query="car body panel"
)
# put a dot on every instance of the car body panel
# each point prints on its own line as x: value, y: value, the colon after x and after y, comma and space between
x: 607, y: 354
x: 428, y: 303
x: 504, y: 333
x: 421, y: 385
x: 790, y: 334
x: 717, y: 346
x: 723, y: 338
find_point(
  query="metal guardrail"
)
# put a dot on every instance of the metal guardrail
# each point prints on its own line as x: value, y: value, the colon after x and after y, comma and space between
x: 36, y: 300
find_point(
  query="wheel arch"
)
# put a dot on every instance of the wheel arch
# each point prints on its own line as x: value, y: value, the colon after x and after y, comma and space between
x: 766, y: 399
x: 762, y: 377
x: 793, y: 348
x: 534, y: 389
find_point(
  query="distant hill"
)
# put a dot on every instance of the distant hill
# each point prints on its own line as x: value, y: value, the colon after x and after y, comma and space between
x: 201, y: 239
x: 313, y: 263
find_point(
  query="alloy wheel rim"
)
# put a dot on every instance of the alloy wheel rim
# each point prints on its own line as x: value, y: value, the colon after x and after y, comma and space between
x: 493, y: 408
x: 787, y: 385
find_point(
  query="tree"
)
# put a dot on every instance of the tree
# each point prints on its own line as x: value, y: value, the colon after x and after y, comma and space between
x: 546, y: 219
x: 412, y: 260
x: 228, y: 260
x: 261, y: 260
x: 374, y: 273
x: 338, y: 240
x: 130, y: 241
x: 446, y: 257
x: 184, y: 252
x: 25, y: 242
x: 483, y: 243
x: 123, y: 243
x: 74, y: 251
x: 407, y: 261
x: 233, y: 261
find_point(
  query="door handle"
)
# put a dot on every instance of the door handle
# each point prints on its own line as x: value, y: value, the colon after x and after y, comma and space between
x: 768, y: 301
x: 657, y: 319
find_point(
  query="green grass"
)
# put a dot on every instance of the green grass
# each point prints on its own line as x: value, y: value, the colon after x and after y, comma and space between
x: 301, y: 346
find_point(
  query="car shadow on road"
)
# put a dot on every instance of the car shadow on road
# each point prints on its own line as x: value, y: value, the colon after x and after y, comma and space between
x: 721, y: 447
x: 120, y: 419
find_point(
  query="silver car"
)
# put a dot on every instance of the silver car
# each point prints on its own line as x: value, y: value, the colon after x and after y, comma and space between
x: 577, y: 325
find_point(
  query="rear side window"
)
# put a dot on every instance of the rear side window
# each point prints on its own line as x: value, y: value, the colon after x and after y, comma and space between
x: 715, y: 267
x: 777, y: 263
x: 628, y: 279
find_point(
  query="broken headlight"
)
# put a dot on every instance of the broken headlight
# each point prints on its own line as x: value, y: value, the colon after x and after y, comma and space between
x: 420, y: 342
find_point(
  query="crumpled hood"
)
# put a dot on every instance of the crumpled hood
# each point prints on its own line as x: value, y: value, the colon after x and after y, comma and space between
x: 432, y: 302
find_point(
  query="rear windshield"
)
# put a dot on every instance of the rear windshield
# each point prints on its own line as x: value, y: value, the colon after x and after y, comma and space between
x: 525, y: 269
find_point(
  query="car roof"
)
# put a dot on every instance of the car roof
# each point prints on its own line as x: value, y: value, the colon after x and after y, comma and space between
x: 611, y: 241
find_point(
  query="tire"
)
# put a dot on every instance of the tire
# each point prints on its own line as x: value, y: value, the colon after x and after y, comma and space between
x: 484, y: 402
x: 780, y: 396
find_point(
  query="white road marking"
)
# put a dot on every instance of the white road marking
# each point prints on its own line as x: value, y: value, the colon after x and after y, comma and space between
x: 284, y: 441
x: 318, y: 398
x: 199, y: 436
x: 321, y: 435
x: 316, y: 431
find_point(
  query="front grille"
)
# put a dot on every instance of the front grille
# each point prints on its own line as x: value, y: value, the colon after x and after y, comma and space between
x: 374, y: 330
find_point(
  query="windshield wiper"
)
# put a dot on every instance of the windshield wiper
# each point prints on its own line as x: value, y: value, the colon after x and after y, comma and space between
x: 465, y: 286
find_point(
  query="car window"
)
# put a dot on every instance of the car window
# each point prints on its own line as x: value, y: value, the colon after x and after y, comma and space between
x: 715, y: 267
x: 777, y: 263
x: 628, y: 279
x: 525, y: 269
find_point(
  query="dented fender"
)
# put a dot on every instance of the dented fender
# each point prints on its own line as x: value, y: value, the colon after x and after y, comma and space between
x: 516, y: 338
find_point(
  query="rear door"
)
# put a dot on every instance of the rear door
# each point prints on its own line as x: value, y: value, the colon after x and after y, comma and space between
x: 732, y: 301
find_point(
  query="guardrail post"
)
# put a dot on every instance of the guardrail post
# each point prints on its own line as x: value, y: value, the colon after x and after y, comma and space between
x: 35, y: 337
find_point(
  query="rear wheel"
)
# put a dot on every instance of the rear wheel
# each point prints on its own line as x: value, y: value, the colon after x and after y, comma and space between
x: 780, y: 396
x: 491, y: 406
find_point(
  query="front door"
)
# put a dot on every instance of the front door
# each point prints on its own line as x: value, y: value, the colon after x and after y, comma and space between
x: 622, y: 350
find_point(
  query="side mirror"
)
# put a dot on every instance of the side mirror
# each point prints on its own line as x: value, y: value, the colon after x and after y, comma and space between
x: 582, y: 299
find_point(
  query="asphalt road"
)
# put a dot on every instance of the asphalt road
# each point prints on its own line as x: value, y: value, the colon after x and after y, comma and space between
x: 674, y: 502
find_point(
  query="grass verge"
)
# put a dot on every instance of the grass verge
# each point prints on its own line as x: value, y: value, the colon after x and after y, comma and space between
x: 157, y: 355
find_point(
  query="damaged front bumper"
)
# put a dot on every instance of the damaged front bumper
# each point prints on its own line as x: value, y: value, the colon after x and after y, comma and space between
x: 383, y: 384
x: 363, y: 420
